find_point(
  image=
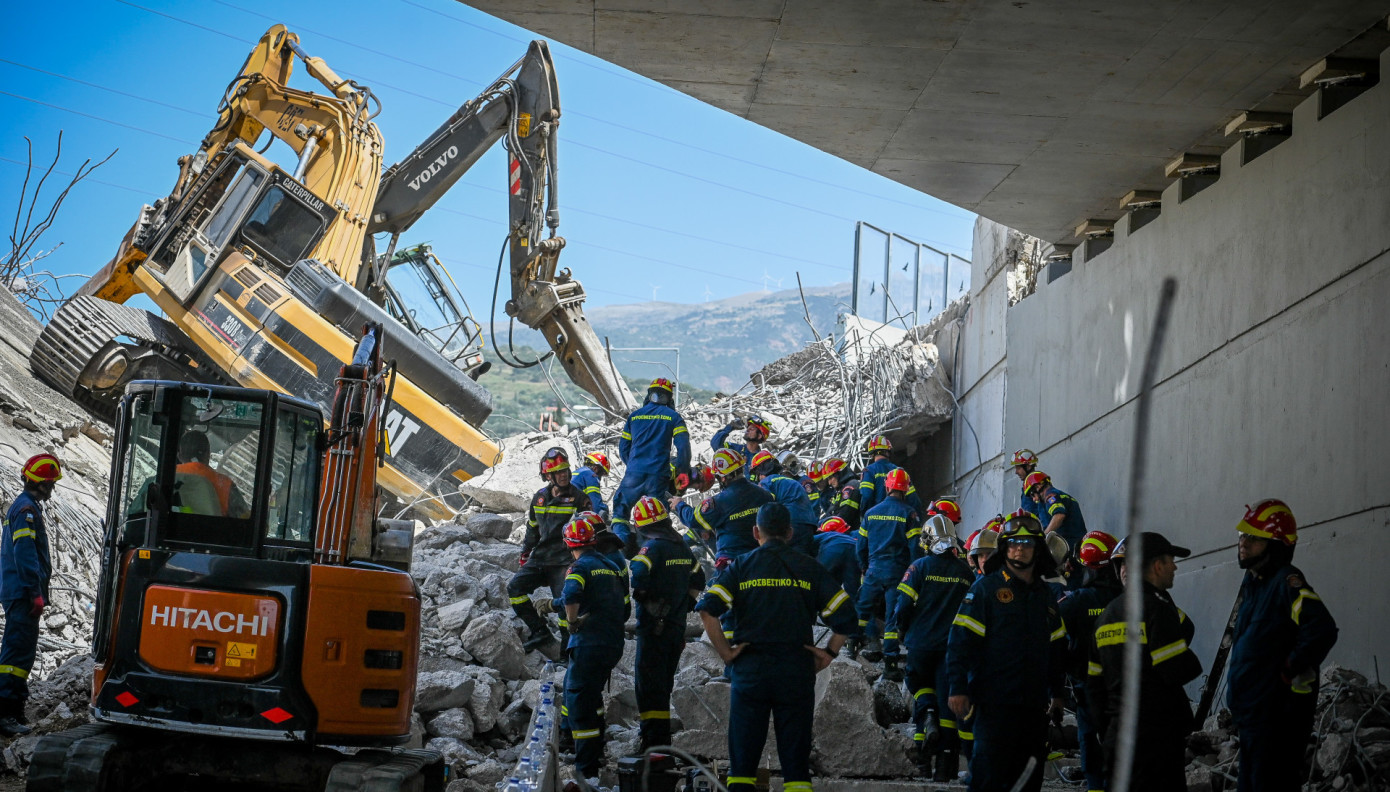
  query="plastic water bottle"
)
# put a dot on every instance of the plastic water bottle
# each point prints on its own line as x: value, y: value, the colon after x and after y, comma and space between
x: 513, y: 785
x: 536, y: 750
x: 526, y: 774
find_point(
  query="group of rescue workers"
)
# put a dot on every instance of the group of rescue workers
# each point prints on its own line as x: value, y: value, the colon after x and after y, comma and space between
x: 993, y: 638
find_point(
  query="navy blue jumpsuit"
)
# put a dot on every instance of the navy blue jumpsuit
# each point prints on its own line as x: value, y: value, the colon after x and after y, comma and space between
x: 838, y: 553
x: 587, y: 481
x: 728, y: 517
x: 1282, y: 634
x: 930, y: 593
x: 789, y: 492
x: 1080, y: 609
x: 599, y: 587
x: 645, y: 446
x: 777, y: 593
x: 664, y: 572
x: 887, y: 544
x: 551, y: 508
x: 1007, y: 652
x: 25, y: 569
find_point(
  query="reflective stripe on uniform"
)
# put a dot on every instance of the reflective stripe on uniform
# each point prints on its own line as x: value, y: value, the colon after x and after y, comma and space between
x: 1296, y: 610
x: 1168, y: 652
x: 1059, y: 633
x: 750, y: 780
x: 14, y: 670
x: 521, y: 599
x: 969, y: 624
x: 23, y: 532
x: 947, y: 723
x: 923, y: 692
x: 585, y: 734
x: 796, y: 786
x: 1111, y: 634
x: 641, y: 559
x: 576, y: 577
x: 890, y: 635
x: 1094, y: 669
x: 722, y: 593
x: 835, y: 602
x: 908, y: 590
x: 655, y: 715
x: 965, y: 735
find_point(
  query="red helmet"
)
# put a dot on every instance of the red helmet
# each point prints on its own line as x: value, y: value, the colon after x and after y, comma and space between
x: 1024, y: 457
x: 996, y: 524
x: 661, y: 383
x: 41, y: 468
x: 762, y: 458
x: 814, y: 472
x: 759, y: 425
x: 649, y: 510
x: 704, y: 478
x: 554, y: 461
x: 599, y: 459
x: 948, y: 508
x: 580, y: 531
x: 1096, y: 548
x: 878, y: 443
x: 835, y: 525
x: 1021, y: 523
x: 1035, y: 479
x: 897, y: 481
x: 727, y: 461
x: 1268, y: 519
x: 831, y: 467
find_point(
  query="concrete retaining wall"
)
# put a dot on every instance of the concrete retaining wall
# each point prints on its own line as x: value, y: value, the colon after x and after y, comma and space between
x: 1275, y: 381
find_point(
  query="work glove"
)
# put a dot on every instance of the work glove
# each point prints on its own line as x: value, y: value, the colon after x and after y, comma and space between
x: 721, y: 563
x: 577, y: 623
x: 682, y: 482
x: 523, y: 558
x: 39, y: 604
x: 545, y: 606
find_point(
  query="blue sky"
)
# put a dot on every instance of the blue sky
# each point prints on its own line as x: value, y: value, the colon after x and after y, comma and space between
x: 661, y: 195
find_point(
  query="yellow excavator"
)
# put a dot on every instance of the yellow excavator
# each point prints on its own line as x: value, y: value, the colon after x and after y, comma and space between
x: 267, y: 274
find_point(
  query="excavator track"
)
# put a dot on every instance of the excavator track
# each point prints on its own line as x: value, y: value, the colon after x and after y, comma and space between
x: 80, y: 330
x: 105, y: 758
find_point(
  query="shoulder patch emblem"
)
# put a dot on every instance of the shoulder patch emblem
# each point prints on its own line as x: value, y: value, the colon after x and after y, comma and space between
x: 705, y: 506
x: 969, y: 597
x: 1004, y: 595
x: 540, y: 500
x: 1053, y: 498
x: 1295, y: 581
x: 643, y: 551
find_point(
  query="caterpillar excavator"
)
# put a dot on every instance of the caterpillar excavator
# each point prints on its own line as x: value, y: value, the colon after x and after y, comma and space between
x: 251, y: 608
x: 265, y: 273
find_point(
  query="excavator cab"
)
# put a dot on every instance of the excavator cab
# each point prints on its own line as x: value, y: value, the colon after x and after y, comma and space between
x: 247, y: 591
x: 422, y: 295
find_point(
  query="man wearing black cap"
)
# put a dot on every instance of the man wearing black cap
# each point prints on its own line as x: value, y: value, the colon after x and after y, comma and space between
x: 776, y: 593
x: 1166, y: 663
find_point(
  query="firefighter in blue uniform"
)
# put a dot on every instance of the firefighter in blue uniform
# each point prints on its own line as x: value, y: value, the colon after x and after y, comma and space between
x: 587, y: 478
x: 1283, y: 632
x: 887, y: 544
x: 978, y: 548
x: 1005, y: 656
x: 1061, y: 513
x: 596, y: 606
x: 756, y: 430
x: 645, y: 446
x: 25, y: 568
x: 788, y: 492
x: 1080, y: 608
x: 836, y: 551
x: 816, y: 489
x: 843, y: 489
x: 777, y: 593
x: 1166, y: 663
x: 931, y: 591
x: 665, y: 582
x: 728, y: 516
x: 544, y: 558
x: 871, y: 489
x: 1024, y: 462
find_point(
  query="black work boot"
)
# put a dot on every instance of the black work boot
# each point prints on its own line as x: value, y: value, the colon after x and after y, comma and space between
x: 892, y: 668
x: 854, y: 646
x: 873, y: 650
x: 947, y: 766
x: 931, y: 733
x: 540, y: 631
x: 10, y: 727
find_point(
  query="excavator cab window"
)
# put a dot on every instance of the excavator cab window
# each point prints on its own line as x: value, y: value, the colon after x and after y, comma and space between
x: 422, y: 296
x: 217, y: 470
x: 282, y: 227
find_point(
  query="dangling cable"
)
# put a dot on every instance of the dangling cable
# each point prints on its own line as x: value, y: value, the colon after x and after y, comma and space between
x: 492, y: 320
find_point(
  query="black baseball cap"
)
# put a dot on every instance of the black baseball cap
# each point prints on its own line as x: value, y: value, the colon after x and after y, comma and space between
x: 1154, y: 545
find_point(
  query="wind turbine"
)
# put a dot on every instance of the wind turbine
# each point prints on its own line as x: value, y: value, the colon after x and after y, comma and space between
x: 707, y: 292
x: 655, y: 287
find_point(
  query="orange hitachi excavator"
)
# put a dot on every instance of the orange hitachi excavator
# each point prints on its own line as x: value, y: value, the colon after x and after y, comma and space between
x: 233, y: 642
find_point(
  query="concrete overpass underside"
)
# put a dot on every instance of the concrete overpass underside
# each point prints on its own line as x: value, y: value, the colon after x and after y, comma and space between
x: 1039, y: 115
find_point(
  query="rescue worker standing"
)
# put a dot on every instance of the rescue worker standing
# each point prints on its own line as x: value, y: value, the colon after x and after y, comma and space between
x: 544, y: 557
x: 981, y: 545
x: 729, y: 515
x: 1166, y: 663
x: 1283, y: 631
x: 788, y: 492
x: 932, y: 590
x: 1023, y: 463
x: 776, y: 593
x: 887, y: 544
x: 871, y: 489
x: 1080, y: 609
x: 645, y: 446
x: 1006, y: 654
x: 1060, y: 513
x: 25, y: 568
x: 756, y: 430
x: 836, y: 551
x: 596, y: 603
x: 587, y: 477
x: 843, y: 489
x: 665, y: 582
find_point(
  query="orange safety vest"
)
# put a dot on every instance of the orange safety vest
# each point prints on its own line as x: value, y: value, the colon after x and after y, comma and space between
x: 220, y: 483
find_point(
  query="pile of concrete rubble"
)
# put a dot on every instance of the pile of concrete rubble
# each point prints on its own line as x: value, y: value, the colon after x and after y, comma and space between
x: 1352, y: 754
